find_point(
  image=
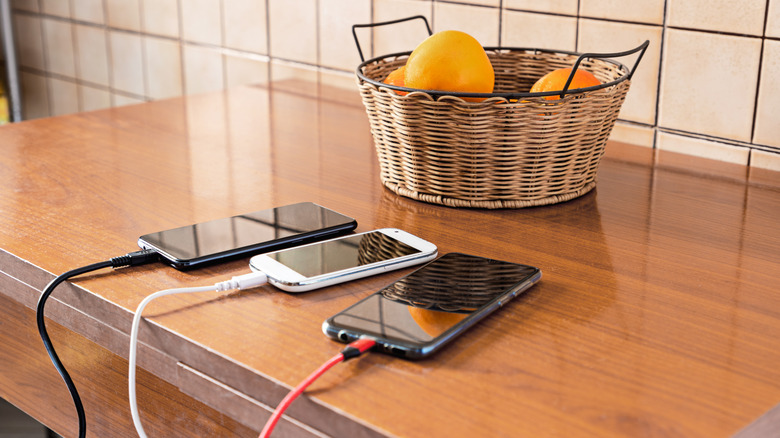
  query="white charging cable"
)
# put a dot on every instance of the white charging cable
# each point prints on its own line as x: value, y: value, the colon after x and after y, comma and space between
x: 246, y: 281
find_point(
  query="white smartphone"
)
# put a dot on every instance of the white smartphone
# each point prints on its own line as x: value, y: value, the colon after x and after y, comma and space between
x: 345, y: 258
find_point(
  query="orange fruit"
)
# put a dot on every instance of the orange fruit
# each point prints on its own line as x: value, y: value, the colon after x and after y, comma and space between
x: 434, y: 322
x: 396, y: 77
x: 450, y: 60
x: 555, y: 81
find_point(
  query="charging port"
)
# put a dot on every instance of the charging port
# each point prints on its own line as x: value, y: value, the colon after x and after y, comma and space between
x: 395, y: 350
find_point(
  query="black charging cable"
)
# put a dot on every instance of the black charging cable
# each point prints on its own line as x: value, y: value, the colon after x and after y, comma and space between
x: 131, y: 259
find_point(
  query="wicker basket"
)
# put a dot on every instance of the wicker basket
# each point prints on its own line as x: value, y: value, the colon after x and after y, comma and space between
x: 513, y: 149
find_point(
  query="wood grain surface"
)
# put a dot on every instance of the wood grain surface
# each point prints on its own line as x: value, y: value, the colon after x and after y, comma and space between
x: 657, y: 315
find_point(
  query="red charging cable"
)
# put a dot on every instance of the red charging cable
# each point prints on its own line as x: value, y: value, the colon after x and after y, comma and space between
x: 354, y: 349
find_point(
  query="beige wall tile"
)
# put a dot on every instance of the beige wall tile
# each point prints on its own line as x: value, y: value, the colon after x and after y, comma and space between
x: 245, y: 25
x: 494, y: 3
x: 56, y: 7
x: 63, y: 97
x: 163, y: 67
x: 26, y: 5
x: 767, y: 130
x: 293, y: 30
x: 539, y: 31
x: 127, y: 69
x: 122, y: 99
x: 645, y: 11
x: 241, y: 70
x: 161, y: 17
x: 773, y: 19
x: 94, y: 98
x: 708, y: 94
x: 124, y: 14
x: 92, y: 50
x: 601, y: 36
x: 481, y: 23
x: 633, y: 134
x: 89, y: 10
x: 702, y: 148
x: 235, y: 43
x: 765, y: 160
x: 336, y: 20
x: 283, y: 70
x: 737, y: 16
x: 35, y: 95
x: 201, y: 21
x: 28, y: 34
x: 568, y: 7
x: 58, y: 47
x: 401, y: 37
x: 203, y: 70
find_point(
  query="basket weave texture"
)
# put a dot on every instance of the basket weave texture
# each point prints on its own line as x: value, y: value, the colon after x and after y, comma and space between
x: 497, y: 153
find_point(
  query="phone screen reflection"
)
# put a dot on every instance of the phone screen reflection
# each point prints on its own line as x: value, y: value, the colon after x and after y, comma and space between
x: 221, y: 235
x: 343, y: 253
x: 430, y: 301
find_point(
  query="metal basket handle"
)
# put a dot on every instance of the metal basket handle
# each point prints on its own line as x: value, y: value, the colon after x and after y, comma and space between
x: 383, y: 23
x: 642, y: 47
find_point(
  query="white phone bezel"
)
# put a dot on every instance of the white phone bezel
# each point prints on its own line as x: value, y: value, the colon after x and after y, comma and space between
x: 289, y: 280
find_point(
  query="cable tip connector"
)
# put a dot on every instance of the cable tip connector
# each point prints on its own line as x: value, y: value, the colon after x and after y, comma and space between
x: 246, y: 281
x: 136, y: 258
x: 356, y: 348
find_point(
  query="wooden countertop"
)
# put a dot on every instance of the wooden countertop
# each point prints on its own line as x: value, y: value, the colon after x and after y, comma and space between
x: 658, y: 313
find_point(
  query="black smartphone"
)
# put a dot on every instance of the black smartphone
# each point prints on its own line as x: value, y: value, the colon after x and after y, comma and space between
x: 227, y: 238
x: 418, y: 314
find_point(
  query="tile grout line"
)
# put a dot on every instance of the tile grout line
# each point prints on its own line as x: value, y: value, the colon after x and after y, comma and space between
x: 758, y: 81
x: 144, y: 54
x: 661, y: 65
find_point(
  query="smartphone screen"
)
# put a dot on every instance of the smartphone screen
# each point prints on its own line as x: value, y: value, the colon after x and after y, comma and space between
x: 263, y: 230
x: 339, y: 254
x: 345, y: 258
x: 421, y: 312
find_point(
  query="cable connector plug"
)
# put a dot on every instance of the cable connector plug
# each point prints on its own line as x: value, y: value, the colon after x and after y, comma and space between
x: 356, y: 348
x: 136, y: 258
x: 246, y: 281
